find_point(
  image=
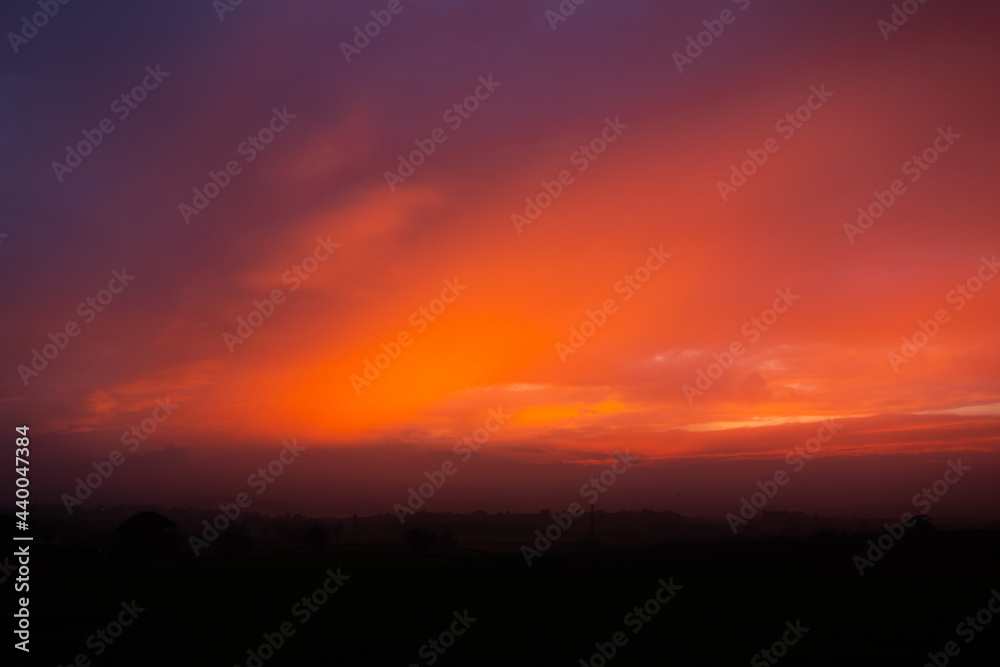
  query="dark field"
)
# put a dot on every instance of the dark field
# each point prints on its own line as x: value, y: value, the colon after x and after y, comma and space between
x: 731, y: 600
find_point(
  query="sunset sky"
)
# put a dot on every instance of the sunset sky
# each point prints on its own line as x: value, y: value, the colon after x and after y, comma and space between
x: 654, y: 191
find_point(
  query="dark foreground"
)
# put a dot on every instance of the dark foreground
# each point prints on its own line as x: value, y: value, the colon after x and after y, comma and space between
x: 802, y: 599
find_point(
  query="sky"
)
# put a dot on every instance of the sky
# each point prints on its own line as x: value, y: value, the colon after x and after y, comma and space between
x: 621, y: 239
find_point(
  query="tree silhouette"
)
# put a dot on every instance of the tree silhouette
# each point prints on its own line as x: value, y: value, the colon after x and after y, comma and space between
x: 147, y: 536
